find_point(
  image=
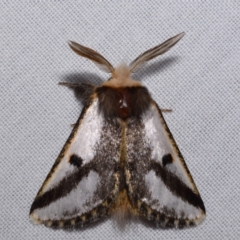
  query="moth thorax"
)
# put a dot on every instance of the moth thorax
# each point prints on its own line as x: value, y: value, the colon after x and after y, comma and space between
x: 124, y: 103
x: 121, y: 73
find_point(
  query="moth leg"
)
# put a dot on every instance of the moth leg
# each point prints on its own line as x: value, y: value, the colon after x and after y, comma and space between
x: 69, y: 84
x: 166, y: 110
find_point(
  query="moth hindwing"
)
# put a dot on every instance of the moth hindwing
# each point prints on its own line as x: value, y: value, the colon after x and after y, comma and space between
x: 120, y: 158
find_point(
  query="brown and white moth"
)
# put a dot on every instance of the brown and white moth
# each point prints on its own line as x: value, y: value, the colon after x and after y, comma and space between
x: 120, y: 158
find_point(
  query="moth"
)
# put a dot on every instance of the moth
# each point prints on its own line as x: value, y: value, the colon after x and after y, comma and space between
x: 120, y: 158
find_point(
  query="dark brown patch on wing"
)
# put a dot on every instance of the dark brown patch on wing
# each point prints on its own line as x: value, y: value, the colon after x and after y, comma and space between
x: 177, y: 186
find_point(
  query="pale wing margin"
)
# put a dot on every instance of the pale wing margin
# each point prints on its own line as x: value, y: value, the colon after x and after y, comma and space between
x: 160, y: 184
x: 83, y: 181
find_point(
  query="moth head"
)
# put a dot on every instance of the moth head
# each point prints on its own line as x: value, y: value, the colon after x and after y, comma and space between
x: 121, y: 75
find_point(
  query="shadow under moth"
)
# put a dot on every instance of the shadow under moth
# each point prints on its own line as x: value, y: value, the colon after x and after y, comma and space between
x: 120, y: 158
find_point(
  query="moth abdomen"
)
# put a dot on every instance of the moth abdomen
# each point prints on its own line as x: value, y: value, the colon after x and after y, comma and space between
x: 123, y: 102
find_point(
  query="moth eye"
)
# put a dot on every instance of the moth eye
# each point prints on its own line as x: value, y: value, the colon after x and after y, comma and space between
x: 167, y: 159
x: 76, y: 160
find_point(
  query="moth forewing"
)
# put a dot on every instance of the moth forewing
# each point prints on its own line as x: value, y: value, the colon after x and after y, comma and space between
x: 78, y: 190
x: 120, y: 158
x: 161, y: 185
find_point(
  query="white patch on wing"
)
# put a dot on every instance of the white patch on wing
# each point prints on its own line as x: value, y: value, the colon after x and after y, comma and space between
x: 83, y: 145
x: 79, y: 201
x: 156, y: 135
x: 162, y: 197
x: 64, y: 169
x: 88, y: 134
x: 160, y: 144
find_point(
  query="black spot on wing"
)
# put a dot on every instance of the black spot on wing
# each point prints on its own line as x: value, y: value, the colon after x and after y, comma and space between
x: 76, y: 160
x: 167, y: 159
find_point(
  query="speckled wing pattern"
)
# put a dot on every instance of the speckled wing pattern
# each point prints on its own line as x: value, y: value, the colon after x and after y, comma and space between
x: 159, y: 183
x: 83, y: 181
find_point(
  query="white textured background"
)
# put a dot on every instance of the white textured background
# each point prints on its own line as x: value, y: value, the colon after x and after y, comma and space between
x: 198, y: 79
